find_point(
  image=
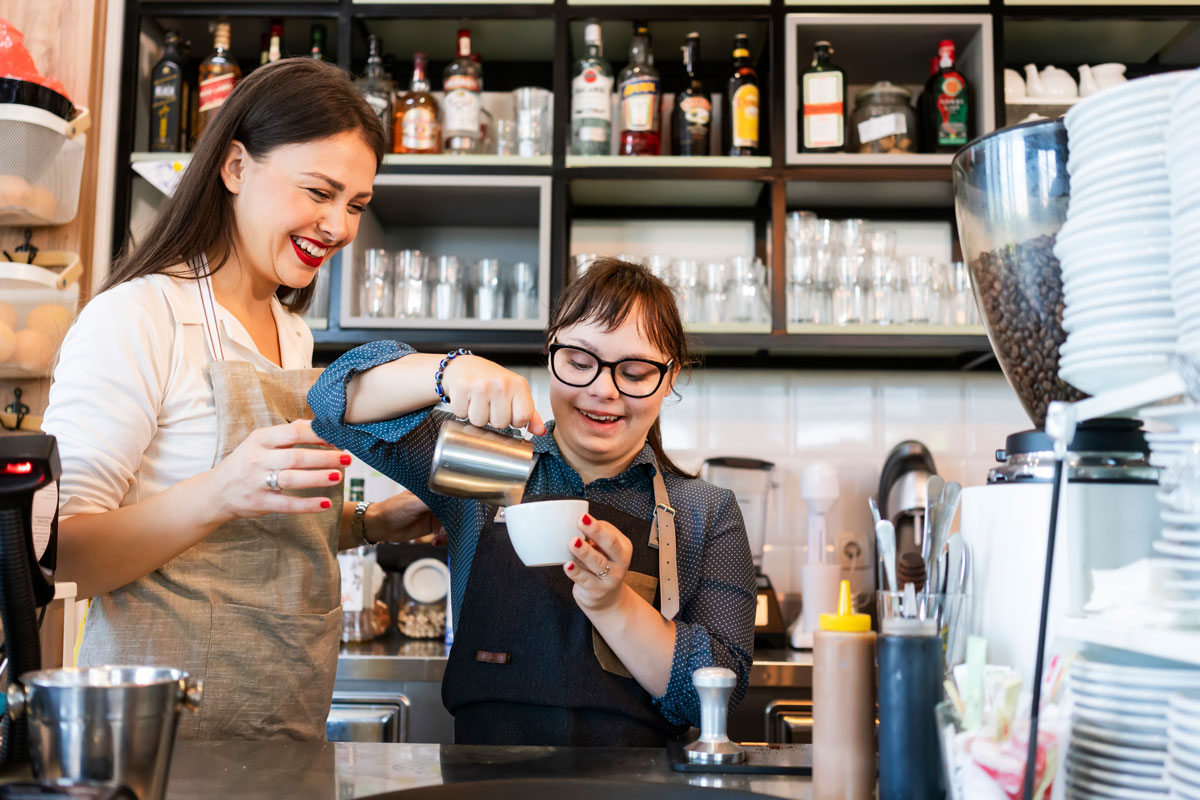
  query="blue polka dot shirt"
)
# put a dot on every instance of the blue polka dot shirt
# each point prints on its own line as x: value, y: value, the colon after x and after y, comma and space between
x: 715, y: 623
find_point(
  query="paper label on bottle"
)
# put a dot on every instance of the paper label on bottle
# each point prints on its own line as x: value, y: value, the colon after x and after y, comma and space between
x: 461, y: 108
x: 952, y: 112
x: 591, y: 96
x: 745, y: 116
x: 875, y: 128
x: 639, y: 104
x: 356, y: 587
x: 761, y: 611
x: 41, y: 523
x: 696, y: 110
x: 215, y: 91
x: 823, y: 110
x: 419, y: 129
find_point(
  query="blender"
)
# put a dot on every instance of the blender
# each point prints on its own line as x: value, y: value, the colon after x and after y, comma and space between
x: 1011, y: 190
x: 753, y: 481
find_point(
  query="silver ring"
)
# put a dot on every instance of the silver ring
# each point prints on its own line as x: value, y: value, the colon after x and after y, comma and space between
x: 604, y: 571
x: 273, y: 480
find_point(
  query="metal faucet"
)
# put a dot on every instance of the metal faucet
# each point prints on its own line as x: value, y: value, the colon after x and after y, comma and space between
x: 713, y: 685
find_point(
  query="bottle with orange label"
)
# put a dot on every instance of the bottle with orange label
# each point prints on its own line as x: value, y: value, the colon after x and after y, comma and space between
x: 417, y: 128
x: 948, y: 107
x: 743, y: 101
x: 219, y: 73
x: 823, y: 104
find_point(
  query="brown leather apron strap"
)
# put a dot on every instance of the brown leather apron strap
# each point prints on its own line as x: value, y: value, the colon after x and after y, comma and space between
x: 663, y: 534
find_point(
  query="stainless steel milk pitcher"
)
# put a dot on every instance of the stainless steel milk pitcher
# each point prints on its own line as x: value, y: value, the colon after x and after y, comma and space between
x: 480, y: 463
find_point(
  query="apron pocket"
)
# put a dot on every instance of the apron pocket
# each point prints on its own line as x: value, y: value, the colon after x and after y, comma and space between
x: 270, y: 674
x: 644, y: 586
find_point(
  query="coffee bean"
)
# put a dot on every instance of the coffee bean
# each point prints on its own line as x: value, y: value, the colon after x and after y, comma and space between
x: 1021, y: 296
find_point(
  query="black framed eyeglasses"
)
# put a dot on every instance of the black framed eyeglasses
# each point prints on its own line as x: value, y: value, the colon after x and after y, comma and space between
x: 633, y: 377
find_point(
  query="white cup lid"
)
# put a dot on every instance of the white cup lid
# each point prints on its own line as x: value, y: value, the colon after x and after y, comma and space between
x: 427, y: 580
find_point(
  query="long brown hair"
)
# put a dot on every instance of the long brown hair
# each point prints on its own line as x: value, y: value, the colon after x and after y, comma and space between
x: 292, y: 101
x: 606, y: 293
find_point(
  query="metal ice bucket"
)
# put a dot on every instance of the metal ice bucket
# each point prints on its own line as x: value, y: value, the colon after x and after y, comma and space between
x: 104, y: 725
x: 480, y: 463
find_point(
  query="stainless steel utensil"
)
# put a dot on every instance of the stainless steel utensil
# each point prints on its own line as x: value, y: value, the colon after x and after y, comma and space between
x: 480, y: 463
x: 943, y: 515
x: 885, y: 543
x: 933, y: 495
x: 108, y: 725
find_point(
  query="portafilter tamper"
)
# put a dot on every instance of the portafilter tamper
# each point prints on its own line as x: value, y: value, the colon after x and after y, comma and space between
x: 713, y: 685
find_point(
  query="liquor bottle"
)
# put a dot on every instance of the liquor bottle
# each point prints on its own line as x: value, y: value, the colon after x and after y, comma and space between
x: 417, y: 127
x: 219, y: 73
x: 925, y: 113
x: 376, y: 89
x: 823, y: 113
x: 264, y: 48
x: 640, y: 91
x: 743, y: 101
x: 169, y: 103
x: 462, y: 102
x: 591, y: 97
x: 275, y: 47
x: 948, y: 107
x: 692, y: 116
x: 317, y: 46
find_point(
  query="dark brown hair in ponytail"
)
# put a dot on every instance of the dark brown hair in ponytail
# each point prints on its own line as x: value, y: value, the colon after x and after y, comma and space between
x: 293, y: 101
x: 605, y: 294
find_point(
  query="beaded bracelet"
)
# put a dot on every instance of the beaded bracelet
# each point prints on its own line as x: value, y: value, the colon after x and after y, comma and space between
x: 437, y: 376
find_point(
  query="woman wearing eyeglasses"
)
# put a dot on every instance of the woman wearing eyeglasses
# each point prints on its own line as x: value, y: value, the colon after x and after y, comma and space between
x: 600, y: 651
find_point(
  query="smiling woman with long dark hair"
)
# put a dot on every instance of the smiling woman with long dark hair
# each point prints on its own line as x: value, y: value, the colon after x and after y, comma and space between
x: 600, y: 652
x: 194, y: 507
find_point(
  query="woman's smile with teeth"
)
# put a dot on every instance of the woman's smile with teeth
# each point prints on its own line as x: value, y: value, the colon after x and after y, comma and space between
x: 598, y: 417
x: 307, y: 246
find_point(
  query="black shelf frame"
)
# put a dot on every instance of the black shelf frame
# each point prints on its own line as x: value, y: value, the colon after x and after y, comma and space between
x: 895, y: 350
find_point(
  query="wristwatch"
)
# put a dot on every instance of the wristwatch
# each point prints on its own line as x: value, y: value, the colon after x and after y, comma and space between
x: 358, y: 522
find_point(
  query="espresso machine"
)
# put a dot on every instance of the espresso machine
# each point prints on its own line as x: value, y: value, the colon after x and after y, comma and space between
x: 29, y: 472
x: 753, y: 483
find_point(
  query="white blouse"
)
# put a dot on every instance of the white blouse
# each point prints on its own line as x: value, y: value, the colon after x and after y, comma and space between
x: 131, y: 403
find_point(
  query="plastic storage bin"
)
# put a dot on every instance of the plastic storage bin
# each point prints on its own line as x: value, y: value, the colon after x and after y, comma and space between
x: 41, y: 165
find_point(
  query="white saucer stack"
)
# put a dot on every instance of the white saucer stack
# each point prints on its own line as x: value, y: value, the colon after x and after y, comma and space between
x: 1119, y: 741
x: 1177, y: 551
x: 1183, y: 746
x: 1115, y: 246
x: 1183, y: 165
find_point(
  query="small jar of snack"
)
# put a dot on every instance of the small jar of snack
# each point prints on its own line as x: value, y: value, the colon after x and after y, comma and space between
x: 884, y: 120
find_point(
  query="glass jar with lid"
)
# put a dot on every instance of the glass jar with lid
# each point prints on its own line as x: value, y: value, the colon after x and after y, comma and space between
x: 884, y: 120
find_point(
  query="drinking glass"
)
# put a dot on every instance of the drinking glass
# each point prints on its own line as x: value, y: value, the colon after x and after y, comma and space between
x: 964, y: 310
x: 506, y: 137
x: 687, y: 272
x: 660, y: 266
x: 881, y: 277
x: 489, y: 298
x: 715, y: 293
x: 849, y: 295
x: 581, y: 262
x: 802, y: 282
x: 375, y: 288
x: 801, y: 229
x: 446, y: 298
x: 921, y: 278
x: 749, y: 289
x: 523, y: 303
x: 533, y: 110
x: 412, y: 301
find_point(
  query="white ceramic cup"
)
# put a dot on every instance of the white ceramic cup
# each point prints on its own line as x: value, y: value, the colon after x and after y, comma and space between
x: 539, y: 531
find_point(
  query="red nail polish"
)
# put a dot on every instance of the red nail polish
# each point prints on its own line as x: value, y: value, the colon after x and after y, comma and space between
x: 326, y: 504
x: 333, y: 476
x: 571, y: 567
x: 345, y: 461
x: 587, y: 520
x: 578, y: 542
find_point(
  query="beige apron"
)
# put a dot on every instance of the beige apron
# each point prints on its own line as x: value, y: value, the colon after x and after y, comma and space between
x: 255, y: 609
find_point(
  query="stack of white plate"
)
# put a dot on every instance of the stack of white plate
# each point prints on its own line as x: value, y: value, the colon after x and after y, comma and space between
x: 1183, y: 164
x: 1183, y: 746
x: 1116, y: 242
x: 1119, y: 727
x: 1177, y: 550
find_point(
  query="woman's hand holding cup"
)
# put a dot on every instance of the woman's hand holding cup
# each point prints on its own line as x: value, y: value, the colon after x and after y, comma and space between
x: 249, y: 482
x: 601, y: 557
x: 485, y: 393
